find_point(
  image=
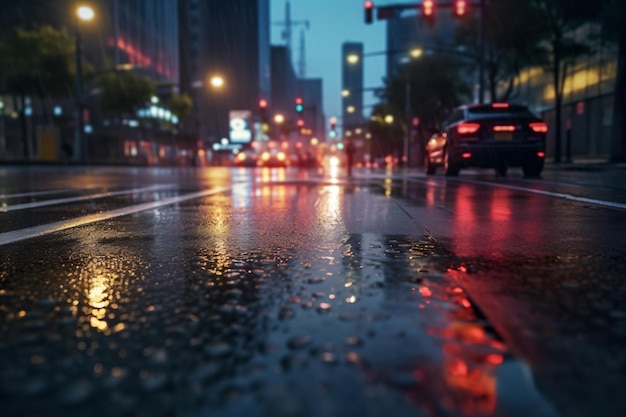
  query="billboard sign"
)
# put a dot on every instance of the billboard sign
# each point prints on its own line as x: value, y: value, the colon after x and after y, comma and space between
x: 241, y: 128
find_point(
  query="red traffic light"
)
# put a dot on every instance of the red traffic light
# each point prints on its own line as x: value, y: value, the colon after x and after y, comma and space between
x: 300, y: 123
x: 368, y: 6
x: 460, y: 8
x: 428, y: 8
x: 298, y: 100
x: 263, y: 104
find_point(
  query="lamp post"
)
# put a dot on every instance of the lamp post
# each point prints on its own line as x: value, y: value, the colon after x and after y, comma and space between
x: 85, y: 14
x: 414, y: 53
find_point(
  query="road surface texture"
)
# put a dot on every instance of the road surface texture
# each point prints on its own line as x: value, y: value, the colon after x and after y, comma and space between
x: 273, y: 292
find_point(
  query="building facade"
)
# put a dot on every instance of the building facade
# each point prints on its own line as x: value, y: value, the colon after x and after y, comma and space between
x: 128, y: 35
x: 352, y: 84
x: 229, y: 40
x: 588, y: 89
x: 407, y: 33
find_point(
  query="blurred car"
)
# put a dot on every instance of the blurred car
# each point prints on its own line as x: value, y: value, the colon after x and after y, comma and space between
x: 272, y: 158
x: 246, y: 158
x: 304, y: 160
x: 497, y: 135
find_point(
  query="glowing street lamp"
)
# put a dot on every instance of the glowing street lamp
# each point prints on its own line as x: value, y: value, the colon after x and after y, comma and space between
x: 217, y: 81
x: 85, y: 13
x: 389, y: 119
x: 279, y: 119
x: 416, y: 52
x: 353, y: 59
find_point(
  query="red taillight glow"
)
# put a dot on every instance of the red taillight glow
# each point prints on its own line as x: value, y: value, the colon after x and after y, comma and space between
x: 467, y: 128
x: 539, y: 127
x: 466, y: 155
x: 500, y: 105
x: 541, y: 154
x: 504, y: 128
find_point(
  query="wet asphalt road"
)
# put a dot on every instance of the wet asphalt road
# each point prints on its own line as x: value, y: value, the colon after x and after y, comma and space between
x: 230, y: 292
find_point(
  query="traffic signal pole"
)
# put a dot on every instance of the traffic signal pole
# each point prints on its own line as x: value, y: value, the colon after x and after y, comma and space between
x: 394, y: 10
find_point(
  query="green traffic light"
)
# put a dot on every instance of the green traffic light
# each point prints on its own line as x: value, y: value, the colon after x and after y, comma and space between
x: 299, y: 108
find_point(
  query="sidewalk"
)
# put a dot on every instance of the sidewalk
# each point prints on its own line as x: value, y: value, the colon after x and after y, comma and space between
x: 585, y: 164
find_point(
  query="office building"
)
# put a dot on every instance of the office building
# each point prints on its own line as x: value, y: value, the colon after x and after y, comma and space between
x: 229, y: 41
x: 352, y: 84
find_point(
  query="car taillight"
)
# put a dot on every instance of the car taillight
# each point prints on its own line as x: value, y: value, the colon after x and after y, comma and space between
x: 467, y: 128
x: 539, y: 127
x: 504, y: 128
x: 500, y: 105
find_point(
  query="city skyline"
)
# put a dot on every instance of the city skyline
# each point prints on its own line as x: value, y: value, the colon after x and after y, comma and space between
x: 331, y: 24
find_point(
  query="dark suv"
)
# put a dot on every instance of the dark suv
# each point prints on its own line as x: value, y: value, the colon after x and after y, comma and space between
x: 497, y: 135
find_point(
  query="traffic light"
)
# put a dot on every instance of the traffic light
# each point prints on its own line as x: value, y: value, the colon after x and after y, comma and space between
x: 333, y: 123
x: 428, y: 8
x: 300, y: 123
x: 368, y: 6
x: 263, y: 110
x: 460, y: 8
x: 299, y: 105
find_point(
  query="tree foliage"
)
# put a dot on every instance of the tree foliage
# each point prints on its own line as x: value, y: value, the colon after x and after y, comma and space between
x: 180, y: 105
x: 561, y: 18
x: 436, y: 85
x: 123, y: 93
x: 513, y: 32
x: 38, y: 62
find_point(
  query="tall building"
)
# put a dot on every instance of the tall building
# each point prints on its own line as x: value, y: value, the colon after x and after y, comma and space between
x: 352, y: 84
x: 405, y: 34
x: 229, y: 40
x: 311, y: 90
x: 285, y: 86
x: 143, y: 35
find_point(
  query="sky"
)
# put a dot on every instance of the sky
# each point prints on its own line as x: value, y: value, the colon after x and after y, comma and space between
x: 331, y: 23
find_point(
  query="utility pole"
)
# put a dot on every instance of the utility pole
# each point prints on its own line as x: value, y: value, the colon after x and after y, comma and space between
x: 289, y: 24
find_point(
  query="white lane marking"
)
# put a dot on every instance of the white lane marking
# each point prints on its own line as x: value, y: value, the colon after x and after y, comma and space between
x: 565, y: 196
x: 56, y: 201
x: 37, y: 231
x: 571, y: 197
x: 36, y: 193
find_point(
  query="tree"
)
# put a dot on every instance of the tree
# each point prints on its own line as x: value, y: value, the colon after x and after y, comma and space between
x: 436, y: 86
x: 122, y: 93
x: 37, y: 63
x: 180, y: 105
x: 512, y: 36
x: 613, y: 20
x: 562, y: 17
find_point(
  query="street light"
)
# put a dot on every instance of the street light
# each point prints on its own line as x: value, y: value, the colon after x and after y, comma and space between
x: 353, y: 59
x: 416, y: 52
x: 217, y: 81
x: 389, y: 119
x: 345, y: 93
x: 85, y: 14
x: 279, y: 118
